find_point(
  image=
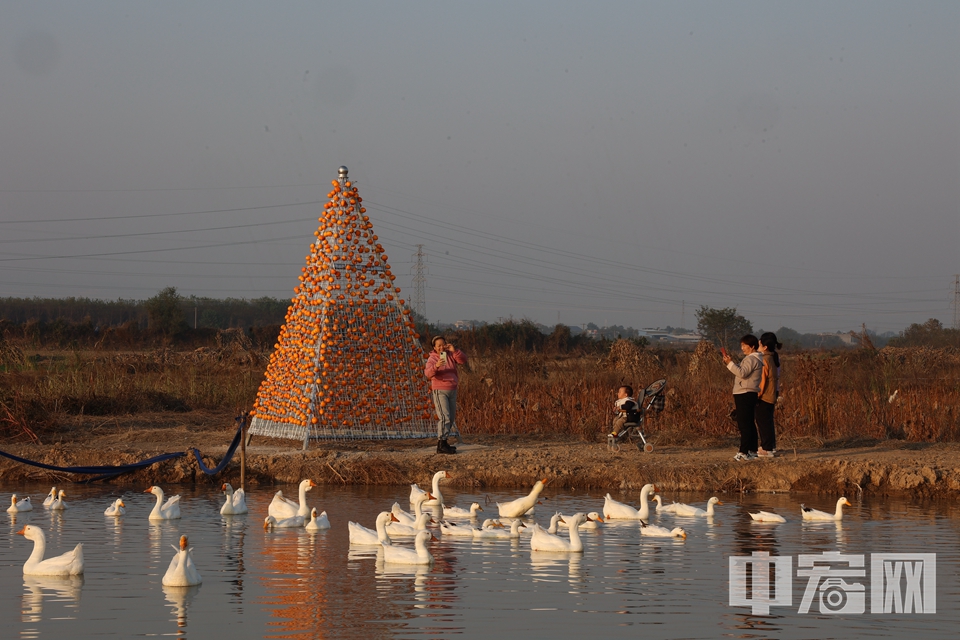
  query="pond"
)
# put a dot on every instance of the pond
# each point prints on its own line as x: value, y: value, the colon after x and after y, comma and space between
x: 288, y: 583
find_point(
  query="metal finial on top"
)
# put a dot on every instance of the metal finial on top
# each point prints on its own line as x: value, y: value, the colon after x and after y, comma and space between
x: 343, y: 171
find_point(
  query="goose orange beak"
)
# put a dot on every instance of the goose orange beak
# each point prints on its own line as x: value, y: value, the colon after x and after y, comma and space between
x: 183, y: 542
x: 122, y: 504
x: 22, y: 532
x: 312, y: 483
x: 393, y: 518
x: 150, y: 490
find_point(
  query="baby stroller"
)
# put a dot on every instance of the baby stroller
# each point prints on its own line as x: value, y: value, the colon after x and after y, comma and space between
x: 652, y: 401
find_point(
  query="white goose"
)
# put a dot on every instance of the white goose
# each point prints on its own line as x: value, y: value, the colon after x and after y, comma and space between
x: 522, y: 506
x: 50, y: 497
x: 543, y: 541
x: 613, y: 510
x: 236, y: 502
x: 436, y: 497
x: 499, y: 533
x: 690, y: 511
x: 407, y: 519
x: 465, y: 531
x: 169, y: 510
x: 116, y: 509
x: 282, y: 523
x: 766, y: 516
x: 59, y: 504
x: 318, y: 522
x: 19, y: 506
x: 593, y: 521
x: 282, y: 507
x: 68, y: 564
x: 822, y: 516
x: 359, y: 534
x: 457, y: 512
x: 402, y: 530
x: 402, y: 555
x: 556, y: 521
x: 182, y: 572
x: 661, y: 532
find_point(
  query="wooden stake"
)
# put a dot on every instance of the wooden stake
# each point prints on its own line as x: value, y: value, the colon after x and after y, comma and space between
x: 243, y: 452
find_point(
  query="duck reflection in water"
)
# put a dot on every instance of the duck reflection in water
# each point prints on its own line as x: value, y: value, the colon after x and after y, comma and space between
x: 181, y: 599
x: 549, y: 566
x: 65, y: 589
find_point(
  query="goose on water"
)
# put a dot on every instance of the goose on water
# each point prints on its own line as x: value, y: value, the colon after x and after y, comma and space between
x: 361, y: 535
x: 822, y: 516
x: 318, y: 522
x: 59, y: 504
x: 436, y: 497
x: 410, y: 519
x: 116, y: 509
x: 466, y: 531
x: 613, y: 510
x: 522, y: 506
x: 282, y: 523
x: 236, y: 503
x: 50, y: 497
x: 282, y: 507
x: 499, y: 533
x: 19, y: 506
x: 593, y: 521
x: 395, y: 529
x: 686, y: 510
x: 182, y: 572
x: 169, y: 510
x: 543, y: 541
x: 766, y: 516
x: 68, y: 564
x: 661, y: 532
x: 404, y: 555
x: 457, y: 512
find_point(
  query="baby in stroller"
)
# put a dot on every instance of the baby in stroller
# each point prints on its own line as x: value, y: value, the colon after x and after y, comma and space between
x: 631, y: 415
x: 626, y: 408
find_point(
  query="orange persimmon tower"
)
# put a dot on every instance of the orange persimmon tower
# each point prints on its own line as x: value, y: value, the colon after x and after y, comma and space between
x: 348, y: 363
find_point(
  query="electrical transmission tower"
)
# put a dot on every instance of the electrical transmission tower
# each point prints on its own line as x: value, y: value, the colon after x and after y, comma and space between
x: 420, y: 283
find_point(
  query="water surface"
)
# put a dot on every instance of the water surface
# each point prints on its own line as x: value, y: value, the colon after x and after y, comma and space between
x: 293, y: 584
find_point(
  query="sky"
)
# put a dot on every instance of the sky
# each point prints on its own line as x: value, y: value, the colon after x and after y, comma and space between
x: 608, y: 162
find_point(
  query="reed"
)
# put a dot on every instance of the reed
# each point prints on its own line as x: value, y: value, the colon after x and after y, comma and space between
x: 849, y: 396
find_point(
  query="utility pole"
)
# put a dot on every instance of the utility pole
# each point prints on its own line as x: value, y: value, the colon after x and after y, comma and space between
x: 956, y: 301
x: 419, y: 284
x: 683, y: 314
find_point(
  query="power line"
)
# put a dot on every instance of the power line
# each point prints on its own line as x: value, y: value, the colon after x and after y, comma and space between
x: 419, y: 283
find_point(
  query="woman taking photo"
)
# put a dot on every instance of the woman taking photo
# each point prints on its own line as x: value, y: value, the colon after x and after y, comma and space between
x: 746, y: 389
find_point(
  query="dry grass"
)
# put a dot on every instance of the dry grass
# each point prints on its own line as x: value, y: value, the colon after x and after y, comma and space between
x: 828, y: 397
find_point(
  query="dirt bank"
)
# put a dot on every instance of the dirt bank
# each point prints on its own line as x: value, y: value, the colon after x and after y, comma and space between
x: 878, y: 468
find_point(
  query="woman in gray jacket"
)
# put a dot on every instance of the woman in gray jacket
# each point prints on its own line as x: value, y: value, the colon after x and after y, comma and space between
x: 746, y: 388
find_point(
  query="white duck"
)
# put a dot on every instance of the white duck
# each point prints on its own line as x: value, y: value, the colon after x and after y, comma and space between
x: 437, y: 497
x: 418, y: 555
x: 282, y: 523
x: 661, y: 532
x: 543, y: 541
x: 359, y: 534
x: 19, y: 506
x: 182, y: 572
x: 236, y: 502
x: 522, y: 506
x: 59, y: 504
x: 766, y: 516
x: 690, y: 511
x: 116, y: 509
x: 282, y: 507
x: 457, y: 512
x: 402, y: 530
x: 50, y: 497
x: 613, y: 510
x: 500, y: 533
x: 821, y: 516
x: 318, y: 522
x: 593, y: 521
x: 169, y: 510
x: 69, y: 564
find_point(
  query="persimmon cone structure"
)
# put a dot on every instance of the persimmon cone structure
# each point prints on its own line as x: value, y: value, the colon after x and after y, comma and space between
x: 348, y: 363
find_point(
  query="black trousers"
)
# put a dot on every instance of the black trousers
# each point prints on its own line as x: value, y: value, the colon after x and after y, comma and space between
x: 746, y: 404
x: 768, y: 435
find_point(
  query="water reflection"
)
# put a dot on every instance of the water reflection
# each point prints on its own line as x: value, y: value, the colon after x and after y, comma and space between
x: 52, y: 588
x: 180, y: 599
x: 553, y: 567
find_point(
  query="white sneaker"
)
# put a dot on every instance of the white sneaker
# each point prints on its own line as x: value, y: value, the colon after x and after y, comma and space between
x: 740, y: 457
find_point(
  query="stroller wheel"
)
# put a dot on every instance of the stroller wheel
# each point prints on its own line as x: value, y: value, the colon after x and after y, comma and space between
x: 648, y: 447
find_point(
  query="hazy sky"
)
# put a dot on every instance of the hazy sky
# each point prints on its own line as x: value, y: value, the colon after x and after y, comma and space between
x: 620, y: 162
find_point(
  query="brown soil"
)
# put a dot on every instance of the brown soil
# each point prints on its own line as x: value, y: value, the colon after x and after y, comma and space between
x: 879, y: 468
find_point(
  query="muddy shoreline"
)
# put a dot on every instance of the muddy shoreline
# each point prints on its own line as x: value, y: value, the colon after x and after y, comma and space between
x: 506, y: 462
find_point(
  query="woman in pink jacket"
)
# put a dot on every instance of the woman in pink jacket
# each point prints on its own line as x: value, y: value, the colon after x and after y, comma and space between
x: 441, y: 370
